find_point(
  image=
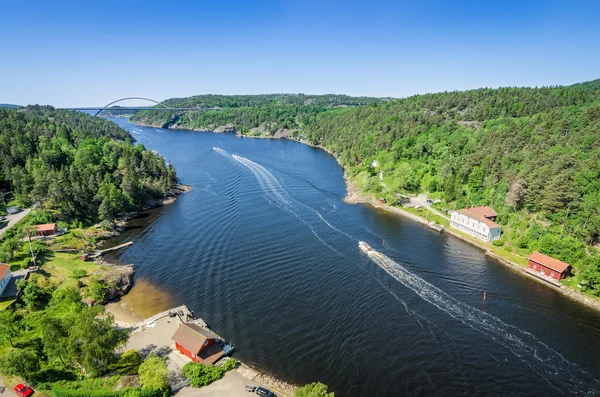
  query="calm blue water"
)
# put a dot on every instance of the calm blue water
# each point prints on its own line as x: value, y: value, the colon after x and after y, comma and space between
x: 265, y: 250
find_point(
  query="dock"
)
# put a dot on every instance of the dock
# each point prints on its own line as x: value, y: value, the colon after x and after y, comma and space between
x: 434, y: 226
x: 547, y: 279
x: 107, y: 250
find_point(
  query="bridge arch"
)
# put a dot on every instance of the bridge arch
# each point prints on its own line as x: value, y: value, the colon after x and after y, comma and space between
x: 129, y: 98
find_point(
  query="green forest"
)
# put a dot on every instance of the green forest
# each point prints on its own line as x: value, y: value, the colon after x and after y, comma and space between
x: 270, y: 112
x: 75, y: 166
x: 531, y: 153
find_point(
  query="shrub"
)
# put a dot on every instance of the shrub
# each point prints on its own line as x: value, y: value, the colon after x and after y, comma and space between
x: 202, y: 375
x: 107, y: 225
x: 153, y: 373
x: 498, y: 243
x: 78, y: 273
x: 315, y: 389
x: 128, y: 363
x: 98, y: 290
x: 231, y: 363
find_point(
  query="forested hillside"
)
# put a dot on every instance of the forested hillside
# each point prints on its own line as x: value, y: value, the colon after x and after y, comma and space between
x: 270, y: 112
x: 531, y: 153
x: 75, y: 165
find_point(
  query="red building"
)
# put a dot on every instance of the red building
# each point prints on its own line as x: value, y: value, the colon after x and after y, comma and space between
x: 198, y: 343
x: 47, y: 229
x: 549, y: 266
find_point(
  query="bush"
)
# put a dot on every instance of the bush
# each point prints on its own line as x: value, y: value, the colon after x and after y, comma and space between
x: 107, y: 225
x: 499, y: 243
x: 128, y: 363
x: 153, y: 373
x: 315, y: 389
x: 202, y: 375
x: 98, y: 290
x: 231, y: 363
x: 78, y: 273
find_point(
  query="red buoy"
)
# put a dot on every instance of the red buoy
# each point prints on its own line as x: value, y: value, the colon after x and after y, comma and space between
x: 484, y: 295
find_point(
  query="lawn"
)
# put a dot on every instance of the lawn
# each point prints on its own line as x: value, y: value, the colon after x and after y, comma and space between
x: 425, y: 213
x: 5, y: 304
x: 60, y: 266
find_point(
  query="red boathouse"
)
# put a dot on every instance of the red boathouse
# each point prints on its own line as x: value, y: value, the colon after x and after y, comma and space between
x: 198, y: 343
x: 47, y: 229
x: 549, y: 266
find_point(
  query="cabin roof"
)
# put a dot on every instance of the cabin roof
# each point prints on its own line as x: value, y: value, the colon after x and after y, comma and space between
x: 46, y: 227
x: 484, y: 210
x: 549, y: 261
x: 481, y: 218
x: 192, y: 337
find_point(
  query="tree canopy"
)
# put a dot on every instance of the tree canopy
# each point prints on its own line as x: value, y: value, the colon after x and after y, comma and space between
x: 75, y: 165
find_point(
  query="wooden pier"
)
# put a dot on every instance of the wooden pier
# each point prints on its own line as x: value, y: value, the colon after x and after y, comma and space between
x: 104, y: 251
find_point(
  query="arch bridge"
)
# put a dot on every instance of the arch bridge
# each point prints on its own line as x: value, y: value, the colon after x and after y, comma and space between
x: 163, y: 106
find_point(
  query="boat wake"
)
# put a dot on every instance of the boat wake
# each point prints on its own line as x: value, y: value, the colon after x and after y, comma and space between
x: 276, y: 194
x: 224, y: 153
x: 561, y: 374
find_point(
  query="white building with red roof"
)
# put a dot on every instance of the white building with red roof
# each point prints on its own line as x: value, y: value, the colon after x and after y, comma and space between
x: 478, y: 222
x: 5, y: 276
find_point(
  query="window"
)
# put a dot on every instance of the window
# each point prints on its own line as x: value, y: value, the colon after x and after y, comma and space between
x: 543, y: 271
x: 552, y: 274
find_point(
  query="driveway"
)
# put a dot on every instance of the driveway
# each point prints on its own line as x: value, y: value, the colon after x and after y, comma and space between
x: 421, y: 199
x: 13, y: 219
x: 231, y: 385
x: 5, y: 391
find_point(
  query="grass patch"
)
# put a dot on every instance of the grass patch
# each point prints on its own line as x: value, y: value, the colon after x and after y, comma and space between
x: 5, y: 304
x: 61, y: 265
x: 428, y: 215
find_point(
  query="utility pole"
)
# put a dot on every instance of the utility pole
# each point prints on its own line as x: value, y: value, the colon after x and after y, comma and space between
x: 28, y: 231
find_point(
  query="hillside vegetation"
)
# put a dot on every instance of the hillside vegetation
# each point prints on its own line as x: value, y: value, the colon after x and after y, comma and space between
x: 531, y: 153
x: 269, y: 112
x: 76, y: 166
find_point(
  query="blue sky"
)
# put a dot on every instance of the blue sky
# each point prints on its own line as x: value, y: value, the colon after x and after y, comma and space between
x: 74, y: 53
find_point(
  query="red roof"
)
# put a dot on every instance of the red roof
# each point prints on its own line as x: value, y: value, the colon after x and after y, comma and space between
x: 4, y: 268
x: 484, y: 210
x: 46, y: 227
x: 474, y: 215
x: 549, y: 262
x: 192, y: 337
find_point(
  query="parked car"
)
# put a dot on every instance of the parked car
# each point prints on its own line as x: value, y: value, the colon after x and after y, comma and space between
x: 261, y: 391
x: 22, y: 390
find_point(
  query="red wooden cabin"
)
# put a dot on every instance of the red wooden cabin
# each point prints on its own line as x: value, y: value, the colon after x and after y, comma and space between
x: 197, y: 343
x: 47, y: 229
x: 549, y: 266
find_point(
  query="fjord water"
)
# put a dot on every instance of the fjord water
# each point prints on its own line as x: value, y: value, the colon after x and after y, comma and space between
x: 266, y: 251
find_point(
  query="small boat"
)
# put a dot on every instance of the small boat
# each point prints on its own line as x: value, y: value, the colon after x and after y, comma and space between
x: 365, y: 247
x: 228, y: 349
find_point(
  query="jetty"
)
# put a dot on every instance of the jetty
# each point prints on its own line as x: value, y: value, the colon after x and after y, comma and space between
x: 99, y: 253
x: 434, y: 226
